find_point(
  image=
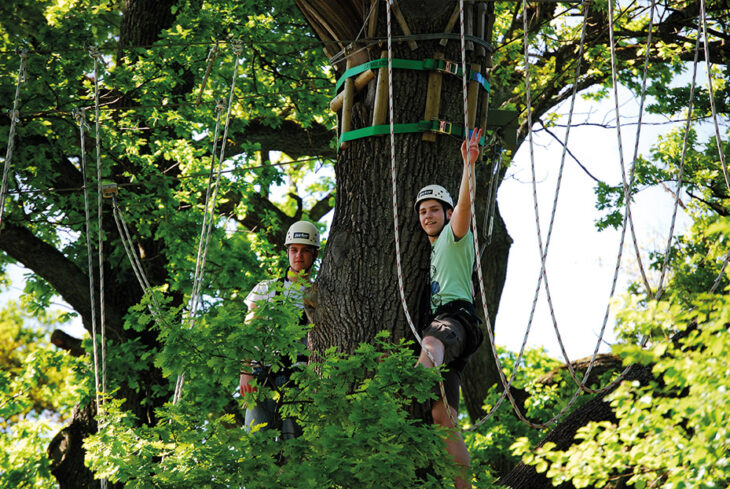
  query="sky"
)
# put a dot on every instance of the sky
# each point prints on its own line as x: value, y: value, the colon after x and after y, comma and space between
x: 581, y: 260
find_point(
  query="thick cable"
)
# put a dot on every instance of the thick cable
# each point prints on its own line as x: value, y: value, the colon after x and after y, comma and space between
x: 80, y: 117
x: 14, y: 119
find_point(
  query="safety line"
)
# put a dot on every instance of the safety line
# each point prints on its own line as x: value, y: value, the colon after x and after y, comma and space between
x: 14, y: 119
x: 209, y: 209
x: 685, y: 144
x: 80, y: 117
x: 718, y: 136
x: 401, y: 288
x: 139, y: 182
x: 635, y: 156
x: 134, y: 260
x: 96, y: 56
x: 628, y: 190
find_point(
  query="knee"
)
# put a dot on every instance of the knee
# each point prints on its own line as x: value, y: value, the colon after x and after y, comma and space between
x: 431, y: 343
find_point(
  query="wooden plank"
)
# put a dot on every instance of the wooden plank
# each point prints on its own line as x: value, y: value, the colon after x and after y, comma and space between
x: 472, y: 97
x: 349, y: 95
x: 381, y: 94
x: 402, y: 23
x: 360, y: 81
x: 433, y: 98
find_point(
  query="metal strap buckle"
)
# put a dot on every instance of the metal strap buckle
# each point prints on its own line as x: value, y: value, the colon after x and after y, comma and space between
x: 444, y: 127
x: 109, y: 190
x: 450, y: 67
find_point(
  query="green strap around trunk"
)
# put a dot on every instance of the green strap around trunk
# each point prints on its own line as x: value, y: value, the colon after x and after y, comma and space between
x: 410, y: 64
x: 442, y: 127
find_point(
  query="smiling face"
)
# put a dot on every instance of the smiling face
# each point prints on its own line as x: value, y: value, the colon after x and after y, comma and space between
x: 301, y: 257
x: 432, y: 217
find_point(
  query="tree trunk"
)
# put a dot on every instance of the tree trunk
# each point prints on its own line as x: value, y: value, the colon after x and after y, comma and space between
x: 358, y: 292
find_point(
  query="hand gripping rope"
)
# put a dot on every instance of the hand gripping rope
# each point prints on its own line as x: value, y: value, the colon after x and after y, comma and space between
x: 14, y: 119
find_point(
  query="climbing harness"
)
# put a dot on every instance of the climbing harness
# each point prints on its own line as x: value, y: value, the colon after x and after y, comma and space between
x: 14, y: 119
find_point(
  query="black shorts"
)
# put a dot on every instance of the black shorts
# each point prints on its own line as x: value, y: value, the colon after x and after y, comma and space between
x: 451, y: 332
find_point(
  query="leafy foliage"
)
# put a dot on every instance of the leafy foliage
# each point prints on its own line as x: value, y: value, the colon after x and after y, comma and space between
x: 159, y: 111
x: 38, y: 387
x: 670, y: 433
x: 353, y: 410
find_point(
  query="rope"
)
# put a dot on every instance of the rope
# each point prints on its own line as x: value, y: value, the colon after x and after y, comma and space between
x: 628, y: 189
x: 488, y: 226
x: 401, y: 288
x: 14, y: 119
x: 139, y: 182
x: 718, y: 137
x: 96, y: 56
x: 80, y: 117
x: 135, y: 261
x: 209, y: 210
x: 685, y: 144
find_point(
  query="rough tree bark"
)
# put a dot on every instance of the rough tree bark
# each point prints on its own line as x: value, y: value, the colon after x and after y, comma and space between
x: 357, y: 286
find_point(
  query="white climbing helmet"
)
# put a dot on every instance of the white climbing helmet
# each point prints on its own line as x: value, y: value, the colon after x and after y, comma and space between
x: 434, y: 191
x: 302, y: 232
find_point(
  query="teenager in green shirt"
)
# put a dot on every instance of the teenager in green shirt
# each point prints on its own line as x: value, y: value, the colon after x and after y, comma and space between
x: 452, y: 333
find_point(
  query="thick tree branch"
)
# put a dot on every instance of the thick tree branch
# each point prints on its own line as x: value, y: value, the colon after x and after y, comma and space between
x: 290, y: 138
x: 68, y: 280
x: 49, y: 263
x: 321, y: 208
x: 67, y: 342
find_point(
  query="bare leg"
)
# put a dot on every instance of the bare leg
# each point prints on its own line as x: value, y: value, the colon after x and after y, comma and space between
x: 454, y: 442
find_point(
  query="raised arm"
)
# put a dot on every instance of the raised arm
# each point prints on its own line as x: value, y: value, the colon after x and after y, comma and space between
x: 461, y: 217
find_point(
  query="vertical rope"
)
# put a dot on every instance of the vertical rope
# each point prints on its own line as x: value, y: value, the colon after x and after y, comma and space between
x: 683, y: 157
x: 718, y: 137
x: 209, y: 212
x: 80, y: 116
x: 401, y: 288
x: 127, y: 242
x: 96, y: 56
x: 14, y: 119
x: 393, y: 173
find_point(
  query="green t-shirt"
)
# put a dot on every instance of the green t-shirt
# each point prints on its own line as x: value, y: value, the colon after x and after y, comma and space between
x: 451, y: 267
